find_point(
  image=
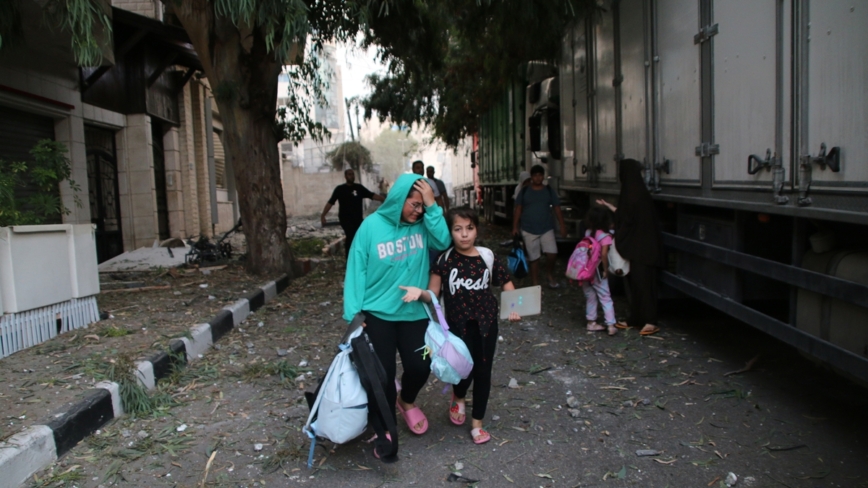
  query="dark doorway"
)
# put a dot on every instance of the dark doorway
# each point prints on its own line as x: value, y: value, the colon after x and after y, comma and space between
x: 157, y: 133
x: 102, y: 179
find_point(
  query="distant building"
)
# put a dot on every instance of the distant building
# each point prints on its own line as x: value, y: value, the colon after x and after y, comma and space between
x: 310, y: 154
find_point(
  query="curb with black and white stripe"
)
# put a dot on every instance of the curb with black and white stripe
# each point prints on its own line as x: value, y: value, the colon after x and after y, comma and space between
x: 39, y: 445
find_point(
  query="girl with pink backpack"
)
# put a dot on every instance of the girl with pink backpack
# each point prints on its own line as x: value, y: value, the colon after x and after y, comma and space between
x: 594, y: 274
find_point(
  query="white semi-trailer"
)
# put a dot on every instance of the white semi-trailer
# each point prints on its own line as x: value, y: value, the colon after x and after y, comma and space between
x: 751, y: 118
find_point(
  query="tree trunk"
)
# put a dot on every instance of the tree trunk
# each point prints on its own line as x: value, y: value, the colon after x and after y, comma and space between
x: 243, y: 77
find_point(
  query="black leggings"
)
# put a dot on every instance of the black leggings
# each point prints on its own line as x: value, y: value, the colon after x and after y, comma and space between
x: 482, y: 349
x: 406, y: 337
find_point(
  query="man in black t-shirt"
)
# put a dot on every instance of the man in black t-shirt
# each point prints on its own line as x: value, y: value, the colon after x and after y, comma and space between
x: 441, y: 187
x: 349, y: 196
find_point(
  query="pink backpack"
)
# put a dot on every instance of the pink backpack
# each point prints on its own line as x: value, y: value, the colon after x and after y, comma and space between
x: 585, y: 259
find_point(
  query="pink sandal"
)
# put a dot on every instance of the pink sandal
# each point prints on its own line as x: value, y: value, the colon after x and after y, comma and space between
x: 457, y: 408
x: 413, y: 417
x: 595, y: 327
x: 480, y: 436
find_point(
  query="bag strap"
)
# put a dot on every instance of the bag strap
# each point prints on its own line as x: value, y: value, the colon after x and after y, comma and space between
x: 445, y: 256
x: 487, y: 256
x: 438, y: 311
x: 372, y: 375
x: 485, y: 253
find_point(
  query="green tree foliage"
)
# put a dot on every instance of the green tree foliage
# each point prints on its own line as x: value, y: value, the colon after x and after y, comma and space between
x: 243, y: 46
x: 352, y: 154
x: 390, y: 150
x: 29, y: 192
x: 448, y: 61
x: 88, y: 23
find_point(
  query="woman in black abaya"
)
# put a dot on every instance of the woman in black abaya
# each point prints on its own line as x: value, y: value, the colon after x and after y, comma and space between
x: 639, y: 239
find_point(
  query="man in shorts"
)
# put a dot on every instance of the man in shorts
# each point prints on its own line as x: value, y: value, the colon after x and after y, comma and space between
x: 533, y: 216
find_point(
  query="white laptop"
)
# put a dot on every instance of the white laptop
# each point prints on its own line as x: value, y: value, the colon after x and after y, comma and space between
x: 523, y: 301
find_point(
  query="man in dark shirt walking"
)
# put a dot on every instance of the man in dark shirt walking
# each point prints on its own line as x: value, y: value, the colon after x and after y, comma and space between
x: 349, y: 196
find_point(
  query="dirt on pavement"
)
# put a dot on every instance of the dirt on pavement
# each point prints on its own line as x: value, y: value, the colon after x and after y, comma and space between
x: 142, y: 313
x: 585, y: 409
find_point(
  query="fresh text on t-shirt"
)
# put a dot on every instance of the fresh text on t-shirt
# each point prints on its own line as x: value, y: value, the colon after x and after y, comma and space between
x: 455, y: 282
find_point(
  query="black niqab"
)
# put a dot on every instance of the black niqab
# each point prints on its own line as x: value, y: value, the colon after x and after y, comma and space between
x: 637, y: 227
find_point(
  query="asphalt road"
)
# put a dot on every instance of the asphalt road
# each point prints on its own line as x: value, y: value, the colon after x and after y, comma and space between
x: 584, y: 405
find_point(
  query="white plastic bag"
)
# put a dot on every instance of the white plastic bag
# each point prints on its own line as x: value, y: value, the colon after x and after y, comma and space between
x: 617, y: 264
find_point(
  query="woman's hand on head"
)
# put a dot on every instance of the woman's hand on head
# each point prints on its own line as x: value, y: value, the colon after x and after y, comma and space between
x: 412, y: 294
x: 421, y: 185
x: 514, y: 317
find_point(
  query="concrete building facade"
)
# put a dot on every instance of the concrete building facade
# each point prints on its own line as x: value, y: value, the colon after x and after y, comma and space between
x: 147, y: 171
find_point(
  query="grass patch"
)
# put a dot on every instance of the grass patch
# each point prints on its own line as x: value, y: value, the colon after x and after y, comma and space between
x: 51, y: 347
x: 113, y: 474
x: 167, y: 441
x: 307, y: 247
x: 70, y: 477
x: 286, y: 371
x: 201, y: 371
x: 94, y: 365
x: 100, y: 442
x: 284, y: 456
x: 114, y: 332
x: 134, y: 397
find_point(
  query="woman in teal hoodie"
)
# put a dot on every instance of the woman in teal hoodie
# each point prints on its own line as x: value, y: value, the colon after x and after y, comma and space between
x: 391, y: 249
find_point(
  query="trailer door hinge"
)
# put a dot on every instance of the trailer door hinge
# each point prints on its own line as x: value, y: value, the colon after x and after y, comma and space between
x: 705, y: 33
x: 707, y: 149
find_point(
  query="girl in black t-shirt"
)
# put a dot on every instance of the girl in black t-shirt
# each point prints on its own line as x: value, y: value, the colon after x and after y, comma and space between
x: 471, y: 310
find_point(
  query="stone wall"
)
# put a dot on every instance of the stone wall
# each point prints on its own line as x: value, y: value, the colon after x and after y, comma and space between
x: 305, y: 194
x: 148, y: 8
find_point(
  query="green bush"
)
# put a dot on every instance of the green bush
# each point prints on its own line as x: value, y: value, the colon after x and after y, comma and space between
x: 41, y: 176
x: 307, y: 247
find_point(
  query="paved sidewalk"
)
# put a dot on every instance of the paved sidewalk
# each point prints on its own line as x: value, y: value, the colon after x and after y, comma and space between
x: 37, y: 446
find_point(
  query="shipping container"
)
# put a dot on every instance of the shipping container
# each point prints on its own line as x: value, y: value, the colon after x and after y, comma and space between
x: 751, y: 120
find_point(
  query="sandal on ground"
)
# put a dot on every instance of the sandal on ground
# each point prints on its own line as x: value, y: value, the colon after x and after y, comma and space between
x: 554, y: 285
x: 457, y: 409
x: 621, y: 325
x: 480, y: 436
x: 649, y: 329
x: 413, y: 417
x: 613, y: 329
x: 595, y: 327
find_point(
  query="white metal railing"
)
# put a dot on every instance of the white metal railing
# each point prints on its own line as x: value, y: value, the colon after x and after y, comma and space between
x: 25, y: 329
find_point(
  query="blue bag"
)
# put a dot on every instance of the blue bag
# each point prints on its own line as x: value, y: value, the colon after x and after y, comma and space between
x: 516, y: 260
x: 451, y: 361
